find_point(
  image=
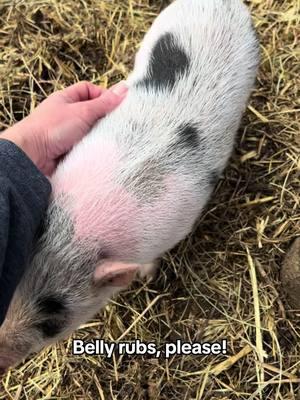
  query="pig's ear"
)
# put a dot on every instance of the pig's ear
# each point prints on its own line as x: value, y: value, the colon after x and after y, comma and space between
x: 115, y: 274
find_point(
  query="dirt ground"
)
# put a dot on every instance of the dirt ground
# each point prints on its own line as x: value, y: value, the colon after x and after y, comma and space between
x: 223, y: 281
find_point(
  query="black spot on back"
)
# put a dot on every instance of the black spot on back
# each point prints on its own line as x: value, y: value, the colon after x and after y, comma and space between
x: 168, y: 62
x: 189, y: 136
x: 51, y: 328
x: 51, y: 305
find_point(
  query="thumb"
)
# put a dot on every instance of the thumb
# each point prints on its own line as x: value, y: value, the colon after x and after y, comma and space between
x: 92, y: 110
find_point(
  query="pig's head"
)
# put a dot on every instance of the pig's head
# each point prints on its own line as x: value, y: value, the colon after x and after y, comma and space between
x: 65, y: 284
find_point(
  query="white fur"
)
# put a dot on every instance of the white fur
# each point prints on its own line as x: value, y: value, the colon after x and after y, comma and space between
x: 170, y: 189
x: 218, y: 37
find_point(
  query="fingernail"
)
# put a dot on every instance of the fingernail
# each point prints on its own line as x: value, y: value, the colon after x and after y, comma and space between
x: 120, y: 89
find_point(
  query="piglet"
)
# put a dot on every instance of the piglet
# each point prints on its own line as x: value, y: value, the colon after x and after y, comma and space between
x: 134, y: 187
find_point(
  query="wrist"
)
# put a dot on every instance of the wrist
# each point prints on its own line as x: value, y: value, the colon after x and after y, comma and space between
x: 23, y: 138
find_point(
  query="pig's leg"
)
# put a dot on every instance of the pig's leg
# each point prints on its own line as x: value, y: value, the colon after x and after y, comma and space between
x: 148, y: 271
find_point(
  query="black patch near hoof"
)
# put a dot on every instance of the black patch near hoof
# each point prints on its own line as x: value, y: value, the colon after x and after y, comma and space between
x: 188, y: 136
x: 168, y: 62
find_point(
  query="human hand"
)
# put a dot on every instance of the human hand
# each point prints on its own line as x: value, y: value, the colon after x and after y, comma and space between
x: 61, y: 120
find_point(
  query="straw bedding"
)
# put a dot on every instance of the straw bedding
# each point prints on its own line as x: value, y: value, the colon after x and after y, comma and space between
x: 223, y: 281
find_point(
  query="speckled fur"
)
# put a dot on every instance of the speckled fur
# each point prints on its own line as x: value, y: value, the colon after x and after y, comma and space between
x: 136, y: 184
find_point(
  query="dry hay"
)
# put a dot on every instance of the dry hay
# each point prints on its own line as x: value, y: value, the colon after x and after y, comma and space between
x: 223, y: 281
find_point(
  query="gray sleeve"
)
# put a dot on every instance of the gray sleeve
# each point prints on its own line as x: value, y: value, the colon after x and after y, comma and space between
x: 24, y: 194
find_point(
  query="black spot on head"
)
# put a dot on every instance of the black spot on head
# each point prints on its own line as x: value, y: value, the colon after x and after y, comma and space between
x: 51, y: 305
x: 51, y: 328
x: 168, y: 62
x: 52, y: 311
x: 189, y: 136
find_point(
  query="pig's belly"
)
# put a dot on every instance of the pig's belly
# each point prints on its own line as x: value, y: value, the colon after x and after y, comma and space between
x: 112, y: 219
x: 102, y: 213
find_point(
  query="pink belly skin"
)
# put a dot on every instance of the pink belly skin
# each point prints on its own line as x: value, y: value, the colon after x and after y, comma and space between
x: 103, y: 212
x: 109, y: 217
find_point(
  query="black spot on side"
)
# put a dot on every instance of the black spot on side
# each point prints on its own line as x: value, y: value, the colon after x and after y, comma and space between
x: 51, y: 305
x: 189, y: 136
x: 168, y: 62
x: 51, y: 328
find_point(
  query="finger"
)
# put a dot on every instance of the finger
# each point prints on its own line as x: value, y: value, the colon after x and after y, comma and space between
x: 94, y: 109
x: 82, y: 91
x: 119, y: 88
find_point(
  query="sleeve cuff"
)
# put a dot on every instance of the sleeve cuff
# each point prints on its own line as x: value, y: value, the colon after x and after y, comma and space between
x: 23, y: 173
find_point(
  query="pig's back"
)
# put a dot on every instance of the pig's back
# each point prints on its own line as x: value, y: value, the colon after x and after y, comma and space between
x: 191, y: 81
x: 145, y: 172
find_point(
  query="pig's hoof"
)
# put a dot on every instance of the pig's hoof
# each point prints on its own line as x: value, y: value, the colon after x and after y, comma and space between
x: 148, y: 271
x: 290, y: 275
